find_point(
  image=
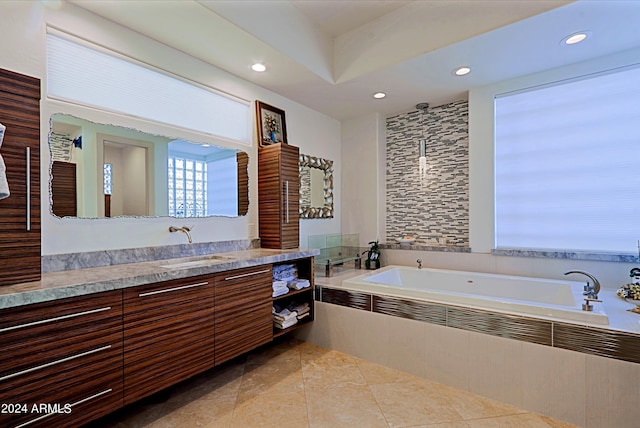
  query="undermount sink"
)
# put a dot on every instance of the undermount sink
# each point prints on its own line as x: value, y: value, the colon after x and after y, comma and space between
x: 208, y: 260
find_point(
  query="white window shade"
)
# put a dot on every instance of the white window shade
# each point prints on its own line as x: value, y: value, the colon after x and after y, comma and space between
x: 567, y: 165
x: 78, y: 73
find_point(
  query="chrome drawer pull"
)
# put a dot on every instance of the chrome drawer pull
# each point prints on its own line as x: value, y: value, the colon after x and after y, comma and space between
x: 28, y: 189
x: 73, y: 404
x: 246, y: 274
x: 167, y: 290
x: 53, y: 363
x: 286, y: 192
x: 84, y: 400
x: 63, y: 317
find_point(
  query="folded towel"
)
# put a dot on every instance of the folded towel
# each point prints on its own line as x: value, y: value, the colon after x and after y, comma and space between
x: 299, y: 308
x: 279, y: 284
x: 284, y: 315
x: 279, y: 292
x: 4, y: 185
x: 303, y: 315
x: 285, y: 272
x: 285, y: 324
x: 298, y: 284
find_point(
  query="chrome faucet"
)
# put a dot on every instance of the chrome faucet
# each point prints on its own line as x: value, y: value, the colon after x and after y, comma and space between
x: 591, y: 291
x: 184, y: 229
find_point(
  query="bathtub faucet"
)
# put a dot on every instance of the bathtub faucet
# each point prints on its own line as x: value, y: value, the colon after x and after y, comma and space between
x: 419, y: 261
x: 590, y: 291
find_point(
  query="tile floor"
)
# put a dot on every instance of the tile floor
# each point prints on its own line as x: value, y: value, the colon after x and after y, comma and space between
x: 297, y: 384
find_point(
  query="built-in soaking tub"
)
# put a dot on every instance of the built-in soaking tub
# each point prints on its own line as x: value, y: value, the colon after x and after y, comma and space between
x: 557, y: 299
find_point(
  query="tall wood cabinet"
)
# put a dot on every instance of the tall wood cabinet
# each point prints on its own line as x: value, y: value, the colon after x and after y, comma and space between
x: 279, y: 196
x: 20, y: 212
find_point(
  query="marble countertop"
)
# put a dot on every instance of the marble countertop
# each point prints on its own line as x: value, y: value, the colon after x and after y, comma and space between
x: 70, y: 283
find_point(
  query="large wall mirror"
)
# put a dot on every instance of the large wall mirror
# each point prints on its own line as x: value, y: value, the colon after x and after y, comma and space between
x: 316, y: 187
x: 100, y: 170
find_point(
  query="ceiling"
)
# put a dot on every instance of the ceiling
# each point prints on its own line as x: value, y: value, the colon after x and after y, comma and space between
x: 333, y: 55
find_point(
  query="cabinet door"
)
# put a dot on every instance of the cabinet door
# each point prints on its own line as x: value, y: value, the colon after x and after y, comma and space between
x: 290, y: 171
x: 168, y: 334
x: 279, y: 196
x: 64, y: 357
x: 20, y: 149
x: 243, y: 311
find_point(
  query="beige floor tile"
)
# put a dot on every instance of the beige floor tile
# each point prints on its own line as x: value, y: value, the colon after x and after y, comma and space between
x: 271, y: 410
x: 299, y: 384
x: 199, y: 413
x: 331, y: 372
x: 285, y: 350
x: 377, y: 374
x: 350, y: 406
x: 525, y: 420
x: 310, y: 352
x: 471, y: 406
x: 271, y: 378
x: 414, y: 403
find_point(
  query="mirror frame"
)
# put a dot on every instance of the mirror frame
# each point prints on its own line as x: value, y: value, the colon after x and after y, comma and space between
x: 326, y: 211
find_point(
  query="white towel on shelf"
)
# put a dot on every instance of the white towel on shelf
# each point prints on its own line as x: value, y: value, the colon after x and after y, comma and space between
x: 299, y: 284
x: 4, y: 185
x: 280, y: 292
x: 284, y: 315
x: 285, y: 324
x: 276, y: 285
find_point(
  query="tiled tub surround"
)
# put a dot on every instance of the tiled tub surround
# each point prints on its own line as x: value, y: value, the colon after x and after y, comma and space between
x: 438, y: 206
x: 584, y: 374
x: 78, y: 282
x: 559, y: 299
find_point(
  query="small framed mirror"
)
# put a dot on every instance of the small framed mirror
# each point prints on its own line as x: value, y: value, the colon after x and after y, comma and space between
x: 316, y: 187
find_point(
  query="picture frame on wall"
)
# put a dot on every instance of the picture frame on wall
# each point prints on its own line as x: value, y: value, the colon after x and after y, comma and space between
x: 271, y: 124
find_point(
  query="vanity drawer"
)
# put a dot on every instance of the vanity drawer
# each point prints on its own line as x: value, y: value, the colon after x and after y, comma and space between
x: 58, y: 354
x: 243, y: 318
x: 168, y: 334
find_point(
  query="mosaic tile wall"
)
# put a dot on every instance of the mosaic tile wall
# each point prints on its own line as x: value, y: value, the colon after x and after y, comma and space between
x: 437, y: 206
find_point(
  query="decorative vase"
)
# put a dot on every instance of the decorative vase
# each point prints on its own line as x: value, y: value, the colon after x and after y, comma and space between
x: 273, y: 136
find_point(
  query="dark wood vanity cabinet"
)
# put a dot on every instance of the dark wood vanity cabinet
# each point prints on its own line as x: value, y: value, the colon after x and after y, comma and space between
x: 20, y: 150
x: 279, y: 196
x: 243, y: 311
x: 61, y: 361
x: 168, y: 334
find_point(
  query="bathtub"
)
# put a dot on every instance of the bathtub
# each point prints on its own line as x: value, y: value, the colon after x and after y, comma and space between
x: 543, y: 298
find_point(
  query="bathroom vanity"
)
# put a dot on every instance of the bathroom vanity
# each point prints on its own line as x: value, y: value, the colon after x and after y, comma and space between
x: 105, y: 337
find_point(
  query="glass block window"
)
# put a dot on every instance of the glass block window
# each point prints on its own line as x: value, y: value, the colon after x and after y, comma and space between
x: 108, y: 176
x: 187, y: 187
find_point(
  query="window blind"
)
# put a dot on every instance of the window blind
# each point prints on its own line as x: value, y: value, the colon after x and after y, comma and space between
x: 567, y: 165
x: 81, y: 74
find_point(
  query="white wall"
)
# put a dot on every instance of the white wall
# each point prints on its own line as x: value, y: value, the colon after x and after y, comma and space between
x: 363, y: 150
x: 22, y: 49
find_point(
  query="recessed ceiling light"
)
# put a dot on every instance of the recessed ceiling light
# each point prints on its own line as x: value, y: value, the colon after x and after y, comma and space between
x: 461, y: 71
x: 258, y: 67
x: 379, y: 95
x: 574, y: 38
